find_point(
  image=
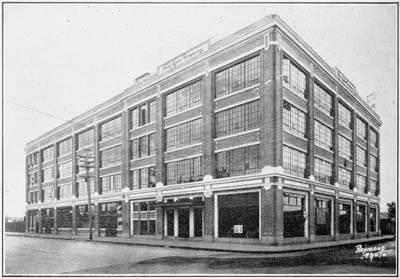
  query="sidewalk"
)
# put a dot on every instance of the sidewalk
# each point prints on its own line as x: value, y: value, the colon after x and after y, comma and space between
x: 211, y: 246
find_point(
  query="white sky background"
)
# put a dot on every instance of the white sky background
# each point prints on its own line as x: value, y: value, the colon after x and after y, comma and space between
x: 63, y: 59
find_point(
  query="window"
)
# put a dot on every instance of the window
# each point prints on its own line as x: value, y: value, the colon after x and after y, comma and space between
x: 143, y: 146
x: 345, y: 178
x: 183, y: 99
x: 237, y: 77
x: 65, y: 191
x: 373, y: 163
x: 344, y: 116
x: 374, y: 138
x: 33, y: 197
x: 240, y: 161
x: 185, y: 134
x: 143, y: 178
x: 360, y: 218
x: 110, y: 157
x: 64, y: 170
x: 323, y: 171
x: 361, y: 129
x: 47, y: 174
x: 48, y: 154
x: 323, y: 135
x: 111, y: 129
x: 361, y: 183
x: 85, y: 139
x: 144, y: 218
x: 111, y: 183
x: 143, y: 114
x: 373, y: 186
x: 33, y: 178
x: 293, y: 78
x: 344, y: 148
x: 238, y: 119
x: 372, y: 219
x: 294, y: 120
x: 47, y: 194
x: 82, y: 215
x: 322, y: 99
x: 188, y: 170
x: 64, y: 147
x: 32, y: 159
x: 344, y: 218
x: 361, y: 157
x: 294, y: 212
x: 82, y: 188
x: 294, y: 161
x: 323, y: 211
x: 111, y: 211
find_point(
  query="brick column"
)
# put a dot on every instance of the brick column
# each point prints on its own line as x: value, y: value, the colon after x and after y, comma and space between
x: 40, y: 176
x: 368, y: 157
x: 335, y: 140
x: 310, y: 126
x: 74, y: 227
x: 160, y: 222
x: 73, y: 149
x: 378, y: 182
x: 368, y: 211
x: 311, y: 214
x: 40, y: 221
x: 125, y: 148
x: 55, y: 220
x: 272, y: 214
x: 160, y: 168
x: 208, y: 124
x: 336, y: 216
x: 27, y: 182
x: 208, y: 217
x: 354, y: 218
x: 96, y: 219
x: 96, y: 154
x: 125, y: 218
x: 55, y: 172
x: 27, y: 219
x: 354, y: 147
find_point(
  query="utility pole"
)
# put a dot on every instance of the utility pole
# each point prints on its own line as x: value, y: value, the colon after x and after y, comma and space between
x: 87, y: 162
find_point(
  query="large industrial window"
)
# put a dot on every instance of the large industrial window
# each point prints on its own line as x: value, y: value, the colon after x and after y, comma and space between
x: 144, y: 114
x: 85, y: 139
x: 33, y: 197
x: 373, y: 186
x: 323, y: 171
x: 360, y: 218
x: 82, y: 188
x: 294, y: 161
x: 64, y: 217
x: 65, y: 191
x: 323, y: 218
x: 143, y: 146
x: 294, y: 120
x: 372, y: 219
x: 238, y: 215
x: 110, y: 218
x: 33, y: 178
x: 344, y: 218
x: 293, y: 78
x: 64, y: 147
x: 32, y: 159
x: 64, y: 170
x: 237, y: 77
x: 294, y: 212
x: 110, y: 157
x: 374, y: 138
x: 240, y: 161
x: 48, y: 154
x: 111, y: 129
x: 322, y: 99
x: 344, y: 147
x: 183, y: 99
x: 47, y: 175
x: 185, y: 134
x: 345, y: 116
x: 361, y: 157
x: 188, y: 170
x: 361, y: 183
x: 82, y: 216
x: 144, y: 218
x: 345, y: 178
x: 238, y: 119
x: 373, y: 163
x: 47, y: 194
x: 111, y: 183
x: 361, y: 129
x: 143, y: 178
x: 322, y: 135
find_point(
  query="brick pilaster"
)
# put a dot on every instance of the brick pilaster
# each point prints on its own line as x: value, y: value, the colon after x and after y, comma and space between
x: 368, y: 157
x: 160, y: 222
x: 125, y: 149
x: 208, y: 124
x: 160, y: 168
x: 74, y: 163
x: 125, y: 218
x: 311, y: 215
x: 310, y: 126
x: 354, y: 150
x: 335, y: 139
x: 74, y: 226
x: 96, y: 155
x: 208, y: 218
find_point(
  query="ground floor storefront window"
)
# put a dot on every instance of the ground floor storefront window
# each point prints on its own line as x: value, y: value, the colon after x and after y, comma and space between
x: 372, y: 219
x: 344, y: 218
x: 47, y: 220
x: 33, y: 224
x: 64, y: 217
x: 143, y: 218
x: 238, y: 215
x: 323, y: 211
x: 360, y: 218
x: 294, y: 212
x: 110, y: 218
x: 82, y: 216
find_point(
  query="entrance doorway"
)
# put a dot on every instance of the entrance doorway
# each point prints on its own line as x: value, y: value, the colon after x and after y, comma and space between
x: 183, y: 222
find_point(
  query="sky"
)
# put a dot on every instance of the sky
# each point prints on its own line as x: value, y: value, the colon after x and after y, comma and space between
x: 63, y: 59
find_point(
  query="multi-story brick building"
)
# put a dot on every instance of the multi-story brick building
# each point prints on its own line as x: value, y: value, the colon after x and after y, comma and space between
x: 252, y: 138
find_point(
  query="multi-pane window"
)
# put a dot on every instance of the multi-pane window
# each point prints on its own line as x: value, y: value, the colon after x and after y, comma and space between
x: 237, y: 77
x: 240, y: 161
x: 33, y: 178
x: 183, y: 171
x: 183, y: 99
x: 85, y: 139
x: 32, y: 159
x: 323, y: 171
x: 111, y: 183
x: 47, y: 174
x: 373, y: 163
x: 372, y: 186
x: 48, y: 154
x: 372, y: 219
x: 33, y: 197
x: 344, y: 116
x: 144, y: 178
x: 344, y: 147
x: 238, y: 119
x: 322, y: 99
x: 144, y: 218
x: 322, y: 135
x: 293, y: 77
x: 144, y: 114
x: 64, y: 170
x: 185, y: 134
x: 64, y: 147
x: 361, y: 215
x: 344, y: 218
x: 143, y: 146
x: 361, y: 183
x: 361, y: 129
x: 294, y: 207
x: 111, y: 129
x: 361, y: 156
x: 47, y: 194
x: 374, y: 138
x: 294, y: 120
x: 110, y: 157
x: 65, y: 191
x: 294, y: 161
x: 323, y: 210
x: 82, y: 187
x: 345, y: 178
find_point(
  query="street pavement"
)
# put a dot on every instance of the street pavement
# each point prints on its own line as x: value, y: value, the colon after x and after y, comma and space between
x: 31, y: 255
